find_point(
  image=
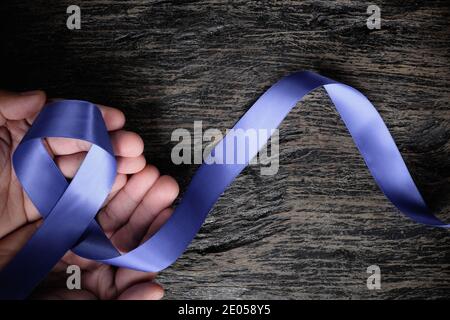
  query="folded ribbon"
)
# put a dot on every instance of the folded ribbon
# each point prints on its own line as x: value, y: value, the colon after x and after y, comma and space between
x: 69, y: 209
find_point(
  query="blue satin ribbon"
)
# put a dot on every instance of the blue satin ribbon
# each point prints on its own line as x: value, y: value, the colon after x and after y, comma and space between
x: 69, y: 209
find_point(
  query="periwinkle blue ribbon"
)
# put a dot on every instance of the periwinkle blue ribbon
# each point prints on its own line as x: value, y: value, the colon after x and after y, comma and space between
x: 69, y: 209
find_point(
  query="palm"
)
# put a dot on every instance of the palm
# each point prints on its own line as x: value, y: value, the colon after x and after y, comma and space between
x: 12, y: 211
x: 137, y: 206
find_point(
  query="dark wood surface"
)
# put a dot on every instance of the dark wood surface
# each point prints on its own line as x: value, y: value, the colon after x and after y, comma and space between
x: 311, y: 230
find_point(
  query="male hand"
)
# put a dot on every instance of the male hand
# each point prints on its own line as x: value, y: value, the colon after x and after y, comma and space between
x: 138, y: 205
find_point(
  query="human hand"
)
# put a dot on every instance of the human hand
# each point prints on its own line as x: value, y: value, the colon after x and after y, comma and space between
x: 137, y: 206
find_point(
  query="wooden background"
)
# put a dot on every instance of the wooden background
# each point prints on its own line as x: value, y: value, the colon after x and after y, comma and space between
x: 311, y: 230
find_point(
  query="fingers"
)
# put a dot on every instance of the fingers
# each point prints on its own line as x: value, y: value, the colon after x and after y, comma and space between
x: 159, y: 197
x: 99, y: 284
x: 33, y: 214
x: 143, y: 291
x: 26, y: 106
x: 131, y: 165
x: 69, y: 164
x: 70, y: 258
x: 20, y: 106
x: 66, y: 146
x: 100, y: 281
x: 119, y: 183
x: 126, y: 278
x: 125, y: 144
x: 120, y: 208
x: 161, y: 218
x: 114, y: 118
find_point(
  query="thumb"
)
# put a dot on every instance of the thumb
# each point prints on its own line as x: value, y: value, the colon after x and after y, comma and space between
x: 20, y: 106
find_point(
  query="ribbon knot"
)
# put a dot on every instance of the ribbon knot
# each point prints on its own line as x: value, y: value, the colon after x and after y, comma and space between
x: 69, y: 209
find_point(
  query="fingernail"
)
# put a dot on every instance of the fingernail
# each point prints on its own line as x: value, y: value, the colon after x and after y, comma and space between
x: 29, y: 93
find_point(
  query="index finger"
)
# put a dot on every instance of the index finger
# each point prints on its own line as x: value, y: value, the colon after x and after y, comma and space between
x: 114, y: 118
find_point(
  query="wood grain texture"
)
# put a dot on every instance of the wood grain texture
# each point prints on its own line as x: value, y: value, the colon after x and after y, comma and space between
x: 311, y: 230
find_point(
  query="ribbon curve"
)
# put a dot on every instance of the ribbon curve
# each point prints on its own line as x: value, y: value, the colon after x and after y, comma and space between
x: 69, y: 209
